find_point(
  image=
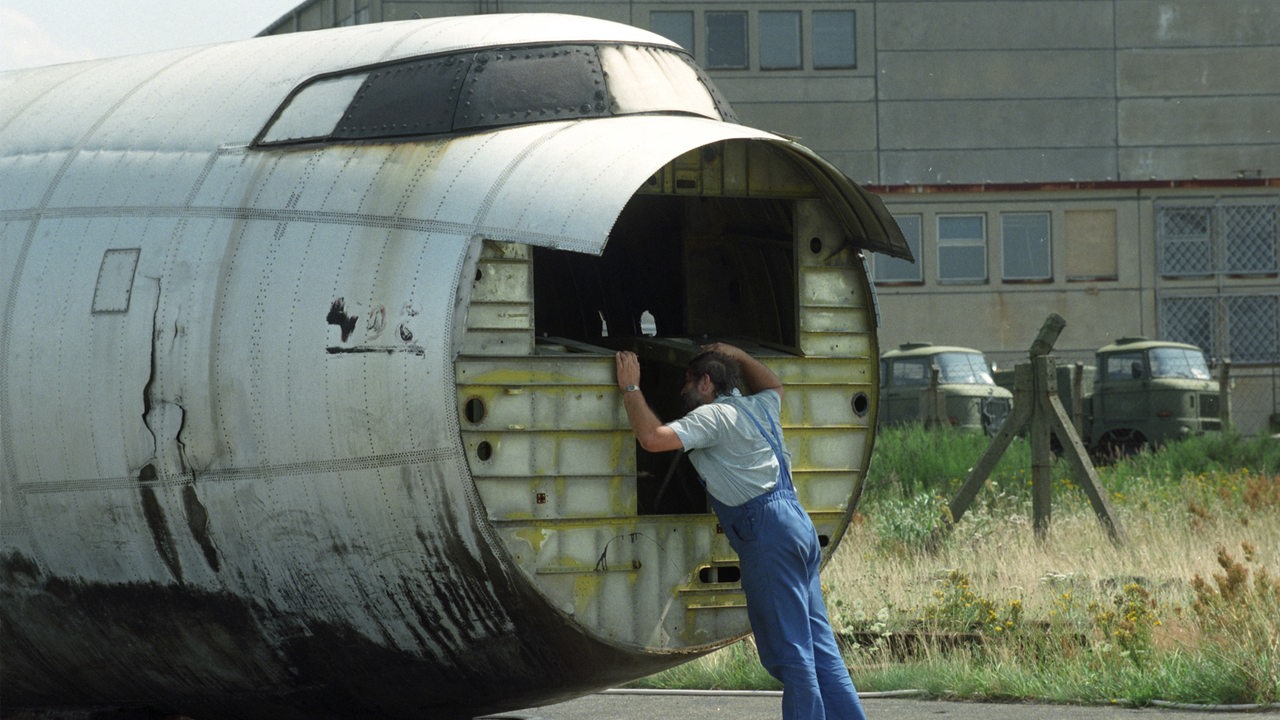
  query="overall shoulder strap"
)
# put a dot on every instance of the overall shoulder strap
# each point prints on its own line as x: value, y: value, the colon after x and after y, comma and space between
x: 771, y: 436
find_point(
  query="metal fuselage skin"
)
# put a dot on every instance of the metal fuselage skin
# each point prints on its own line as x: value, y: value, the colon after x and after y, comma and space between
x: 302, y: 418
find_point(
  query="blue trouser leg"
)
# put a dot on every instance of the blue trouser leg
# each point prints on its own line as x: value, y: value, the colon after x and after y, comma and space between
x: 784, y: 603
x: 840, y: 699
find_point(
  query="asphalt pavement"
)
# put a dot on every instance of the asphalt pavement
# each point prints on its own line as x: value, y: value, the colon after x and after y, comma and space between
x: 660, y: 705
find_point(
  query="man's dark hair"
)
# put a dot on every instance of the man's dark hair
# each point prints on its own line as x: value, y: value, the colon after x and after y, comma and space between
x: 723, y: 370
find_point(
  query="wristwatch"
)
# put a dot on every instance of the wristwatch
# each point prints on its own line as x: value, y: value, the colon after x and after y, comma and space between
x: 631, y: 388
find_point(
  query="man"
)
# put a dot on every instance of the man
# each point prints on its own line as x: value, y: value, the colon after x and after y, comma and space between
x: 735, y: 444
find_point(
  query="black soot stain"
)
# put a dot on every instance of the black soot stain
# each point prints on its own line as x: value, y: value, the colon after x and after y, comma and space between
x: 338, y: 316
x: 160, y: 531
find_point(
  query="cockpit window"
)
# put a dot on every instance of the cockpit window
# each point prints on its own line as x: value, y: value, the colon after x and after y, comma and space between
x: 510, y: 87
x: 495, y: 87
x: 316, y: 110
x: 416, y: 98
x: 646, y: 79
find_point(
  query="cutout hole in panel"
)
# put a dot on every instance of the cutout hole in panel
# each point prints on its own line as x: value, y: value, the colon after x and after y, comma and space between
x: 474, y: 410
x: 720, y: 574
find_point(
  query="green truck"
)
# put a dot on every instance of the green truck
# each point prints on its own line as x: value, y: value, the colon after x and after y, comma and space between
x: 1148, y: 392
x: 941, y: 384
x: 1141, y: 393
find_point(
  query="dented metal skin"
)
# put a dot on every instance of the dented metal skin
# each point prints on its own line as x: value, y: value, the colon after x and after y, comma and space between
x: 282, y: 433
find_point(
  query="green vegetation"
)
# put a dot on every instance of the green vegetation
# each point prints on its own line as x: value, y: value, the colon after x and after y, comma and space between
x: 1187, y: 611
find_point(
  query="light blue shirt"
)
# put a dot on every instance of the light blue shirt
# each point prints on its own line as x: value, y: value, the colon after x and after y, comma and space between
x: 726, y: 447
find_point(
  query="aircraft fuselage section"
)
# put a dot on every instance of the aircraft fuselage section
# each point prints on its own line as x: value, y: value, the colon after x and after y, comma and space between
x: 302, y: 419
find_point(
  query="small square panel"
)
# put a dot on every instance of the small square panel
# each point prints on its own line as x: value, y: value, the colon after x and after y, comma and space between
x: 115, y: 280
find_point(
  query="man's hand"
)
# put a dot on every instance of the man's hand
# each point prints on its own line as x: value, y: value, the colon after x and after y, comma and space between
x: 649, y: 430
x: 628, y: 369
x: 726, y: 349
x: 755, y: 374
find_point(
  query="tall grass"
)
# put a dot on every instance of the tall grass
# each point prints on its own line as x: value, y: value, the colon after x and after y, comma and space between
x: 1188, y: 610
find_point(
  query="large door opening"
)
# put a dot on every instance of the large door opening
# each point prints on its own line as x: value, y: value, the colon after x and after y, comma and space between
x: 677, y: 272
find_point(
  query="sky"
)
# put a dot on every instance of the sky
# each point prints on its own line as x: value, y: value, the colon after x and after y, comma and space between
x: 46, y: 32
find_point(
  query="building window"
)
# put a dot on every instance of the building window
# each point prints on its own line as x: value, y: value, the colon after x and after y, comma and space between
x: 1222, y: 238
x: 1251, y: 332
x: 834, y: 39
x: 1249, y: 237
x: 887, y: 269
x: 962, y: 248
x: 345, y: 13
x: 1024, y: 246
x: 1188, y: 320
x: 674, y: 26
x: 780, y: 40
x: 1090, y: 244
x: 1184, y: 240
x: 1243, y: 328
x: 726, y: 40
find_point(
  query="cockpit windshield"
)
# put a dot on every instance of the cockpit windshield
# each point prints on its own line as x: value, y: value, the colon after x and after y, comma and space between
x: 495, y: 87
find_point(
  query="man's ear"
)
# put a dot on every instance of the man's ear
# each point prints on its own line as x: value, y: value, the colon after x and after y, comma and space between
x: 706, y: 387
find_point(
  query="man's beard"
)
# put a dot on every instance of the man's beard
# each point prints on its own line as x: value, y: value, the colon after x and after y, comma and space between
x: 691, y: 400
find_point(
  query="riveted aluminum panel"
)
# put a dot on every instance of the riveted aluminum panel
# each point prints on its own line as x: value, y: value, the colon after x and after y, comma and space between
x: 266, y: 451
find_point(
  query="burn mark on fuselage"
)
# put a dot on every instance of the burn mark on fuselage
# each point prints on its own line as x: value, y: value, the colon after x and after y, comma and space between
x: 159, y: 527
x: 198, y: 522
x: 338, y: 316
x: 387, y: 349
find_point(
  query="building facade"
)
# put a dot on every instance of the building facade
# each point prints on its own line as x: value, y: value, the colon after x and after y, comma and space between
x: 1116, y: 162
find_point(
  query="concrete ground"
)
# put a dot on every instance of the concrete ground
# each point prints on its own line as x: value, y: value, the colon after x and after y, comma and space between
x: 655, y: 705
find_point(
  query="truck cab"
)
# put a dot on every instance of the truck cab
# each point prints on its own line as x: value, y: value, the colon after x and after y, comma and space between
x: 1148, y: 392
x: 962, y: 394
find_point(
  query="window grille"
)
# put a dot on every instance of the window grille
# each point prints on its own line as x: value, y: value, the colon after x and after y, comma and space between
x: 1244, y: 328
x: 1251, y: 328
x: 1233, y: 238
x: 1188, y: 320
x: 1249, y: 233
x: 1184, y: 240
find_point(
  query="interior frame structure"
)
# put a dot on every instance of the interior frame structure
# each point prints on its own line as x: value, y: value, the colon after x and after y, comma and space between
x: 734, y: 242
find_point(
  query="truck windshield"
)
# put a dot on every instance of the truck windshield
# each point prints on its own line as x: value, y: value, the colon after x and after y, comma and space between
x: 967, y: 368
x: 1178, y: 363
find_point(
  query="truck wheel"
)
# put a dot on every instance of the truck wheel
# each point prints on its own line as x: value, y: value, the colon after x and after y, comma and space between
x: 1119, y: 444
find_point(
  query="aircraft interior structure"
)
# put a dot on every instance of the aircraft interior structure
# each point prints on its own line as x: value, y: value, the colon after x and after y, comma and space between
x: 307, y: 365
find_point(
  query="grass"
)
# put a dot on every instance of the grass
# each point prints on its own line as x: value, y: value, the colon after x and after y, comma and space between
x: 1188, y: 610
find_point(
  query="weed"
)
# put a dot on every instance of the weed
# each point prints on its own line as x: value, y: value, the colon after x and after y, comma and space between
x: 957, y: 607
x: 1231, y: 600
x: 1128, y: 624
x: 1241, y: 619
x: 902, y: 525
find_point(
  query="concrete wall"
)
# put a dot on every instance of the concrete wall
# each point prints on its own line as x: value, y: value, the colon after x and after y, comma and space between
x: 976, y: 91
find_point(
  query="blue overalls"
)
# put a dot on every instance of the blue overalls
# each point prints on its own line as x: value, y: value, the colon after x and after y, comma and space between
x: 779, y: 555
